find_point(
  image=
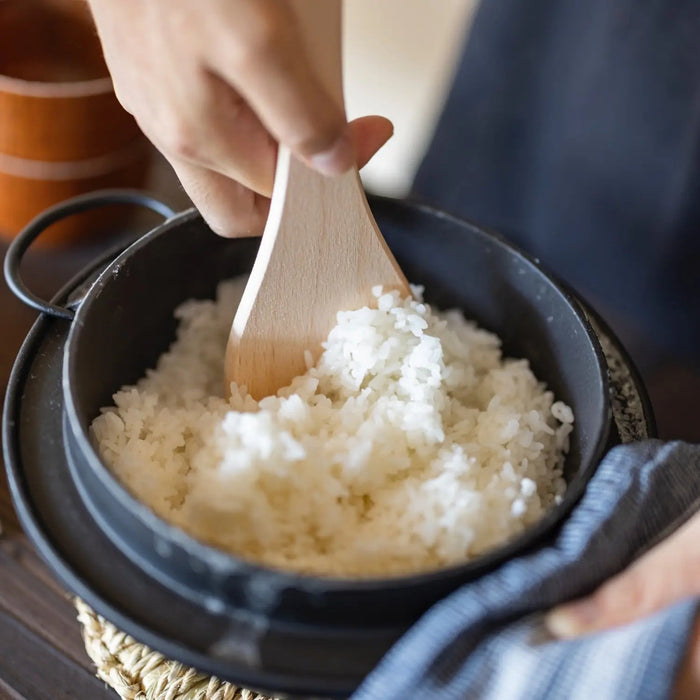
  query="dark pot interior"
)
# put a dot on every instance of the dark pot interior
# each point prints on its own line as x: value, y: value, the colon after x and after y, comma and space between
x: 126, y: 321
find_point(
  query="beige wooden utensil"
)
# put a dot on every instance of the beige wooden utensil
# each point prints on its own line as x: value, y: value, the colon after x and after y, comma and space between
x: 321, y: 251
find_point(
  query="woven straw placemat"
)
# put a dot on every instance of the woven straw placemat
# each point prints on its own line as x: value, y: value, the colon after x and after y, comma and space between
x: 138, y: 673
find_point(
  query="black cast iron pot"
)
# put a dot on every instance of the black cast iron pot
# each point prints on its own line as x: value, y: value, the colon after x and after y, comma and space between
x: 264, y: 628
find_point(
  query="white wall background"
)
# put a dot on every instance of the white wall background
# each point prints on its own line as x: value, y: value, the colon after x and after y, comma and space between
x: 399, y: 59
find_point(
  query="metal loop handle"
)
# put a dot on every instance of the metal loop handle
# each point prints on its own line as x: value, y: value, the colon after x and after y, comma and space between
x: 75, y: 205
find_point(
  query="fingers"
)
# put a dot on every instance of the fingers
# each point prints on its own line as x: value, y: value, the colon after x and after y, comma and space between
x: 233, y: 210
x: 218, y: 131
x: 369, y: 134
x: 229, y: 208
x: 269, y: 67
x: 236, y: 144
x: 666, y: 574
x: 216, y: 88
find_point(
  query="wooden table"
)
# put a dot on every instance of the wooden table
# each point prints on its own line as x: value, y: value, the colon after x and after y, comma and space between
x: 41, y: 653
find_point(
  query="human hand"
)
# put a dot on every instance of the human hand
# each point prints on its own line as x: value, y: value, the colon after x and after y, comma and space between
x: 666, y: 574
x: 215, y: 85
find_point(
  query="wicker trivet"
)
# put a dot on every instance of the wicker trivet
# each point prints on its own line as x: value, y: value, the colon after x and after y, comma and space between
x: 138, y: 673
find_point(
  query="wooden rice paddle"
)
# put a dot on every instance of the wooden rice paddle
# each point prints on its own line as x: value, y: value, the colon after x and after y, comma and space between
x: 321, y: 251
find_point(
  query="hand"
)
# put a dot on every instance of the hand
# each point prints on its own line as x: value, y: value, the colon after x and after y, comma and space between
x: 664, y: 575
x: 215, y: 84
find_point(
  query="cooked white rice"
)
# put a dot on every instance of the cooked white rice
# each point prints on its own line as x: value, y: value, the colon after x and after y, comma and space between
x: 410, y: 445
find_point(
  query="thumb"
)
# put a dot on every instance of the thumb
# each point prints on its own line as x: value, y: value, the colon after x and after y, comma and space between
x: 666, y: 574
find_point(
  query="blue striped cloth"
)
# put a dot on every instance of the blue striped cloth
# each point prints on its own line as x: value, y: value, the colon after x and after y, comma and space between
x: 487, y: 640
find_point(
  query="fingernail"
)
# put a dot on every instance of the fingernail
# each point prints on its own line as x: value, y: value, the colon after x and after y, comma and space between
x: 338, y: 159
x: 572, y: 620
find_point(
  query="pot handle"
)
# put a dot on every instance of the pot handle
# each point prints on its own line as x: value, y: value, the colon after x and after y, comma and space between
x: 75, y: 205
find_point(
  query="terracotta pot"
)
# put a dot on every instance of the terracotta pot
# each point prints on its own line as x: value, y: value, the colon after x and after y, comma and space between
x: 62, y: 130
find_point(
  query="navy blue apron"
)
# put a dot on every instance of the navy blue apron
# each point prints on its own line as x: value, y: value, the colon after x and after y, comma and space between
x: 573, y: 127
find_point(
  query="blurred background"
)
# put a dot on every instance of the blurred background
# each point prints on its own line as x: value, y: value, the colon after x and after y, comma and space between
x: 399, y: 61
